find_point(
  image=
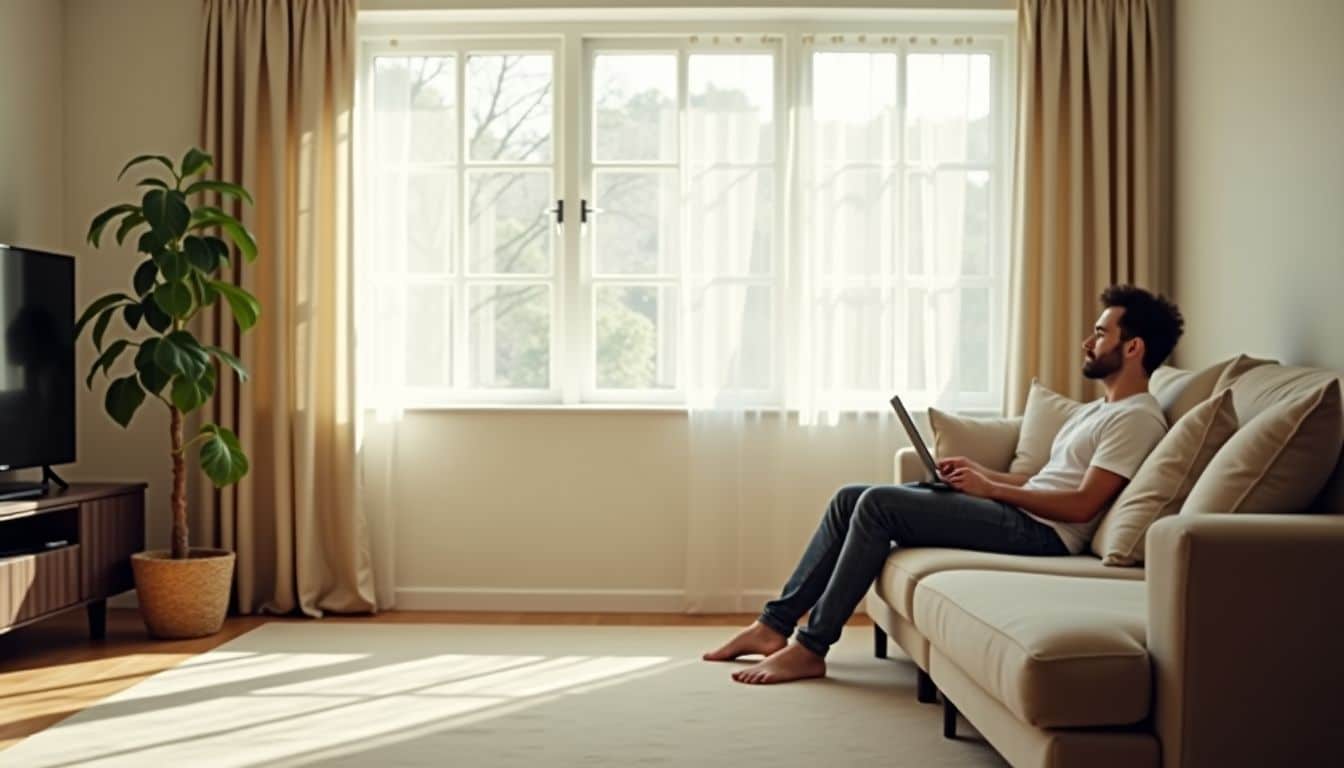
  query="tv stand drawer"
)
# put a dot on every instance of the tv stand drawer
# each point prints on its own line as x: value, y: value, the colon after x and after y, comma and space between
x: 32, y: 585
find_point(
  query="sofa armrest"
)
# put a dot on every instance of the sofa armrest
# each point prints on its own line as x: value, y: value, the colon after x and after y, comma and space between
x: 909, y: 469
x: 1245, y: 632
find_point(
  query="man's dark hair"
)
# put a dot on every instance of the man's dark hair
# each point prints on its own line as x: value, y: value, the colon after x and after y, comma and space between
x: 1152, y: 318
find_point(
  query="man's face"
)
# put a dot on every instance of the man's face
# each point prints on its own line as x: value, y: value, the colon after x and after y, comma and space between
x: 1103, y: 349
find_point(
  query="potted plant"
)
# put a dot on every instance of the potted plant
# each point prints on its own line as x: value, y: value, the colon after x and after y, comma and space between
x: 184, y: 591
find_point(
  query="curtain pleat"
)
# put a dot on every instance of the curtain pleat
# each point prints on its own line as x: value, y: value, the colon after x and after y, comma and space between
x: 276, y: 115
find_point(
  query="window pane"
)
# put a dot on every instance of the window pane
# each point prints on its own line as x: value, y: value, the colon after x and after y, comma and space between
x: 853, y: 318
x: 412, y: 221
x: 635, y: 107
x: 636, y: 335
x: 636, y: 231
x: 428, y: 335
x: 510, y: 336
x: 916, y: 377
x: 430, y: 211
x: 509, y: 107
x: 731, y: 216
x: 947, y: 223
x: 731, y: 101
x: 855, y: 222
x: 415, y: 109
x: 973, y: 349
x: 732, y: 328
x: 510, y: 229
x: 855, y: 115
x: 947, y: 108
x: 919, y: 225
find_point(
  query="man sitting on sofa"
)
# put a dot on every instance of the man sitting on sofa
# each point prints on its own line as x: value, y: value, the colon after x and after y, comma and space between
x: 1053, y: 512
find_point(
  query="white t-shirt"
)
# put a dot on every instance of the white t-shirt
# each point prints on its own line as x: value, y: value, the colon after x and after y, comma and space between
x: 1115, y: 436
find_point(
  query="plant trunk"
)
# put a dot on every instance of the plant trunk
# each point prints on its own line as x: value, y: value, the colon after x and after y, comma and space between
x: 179, y: 499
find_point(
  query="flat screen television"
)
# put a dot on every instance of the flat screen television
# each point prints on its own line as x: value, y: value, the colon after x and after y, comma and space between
x: 37, y: 364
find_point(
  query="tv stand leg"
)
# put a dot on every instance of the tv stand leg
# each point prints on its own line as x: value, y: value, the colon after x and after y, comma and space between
x: 97, y: 611
x: 49, y: 476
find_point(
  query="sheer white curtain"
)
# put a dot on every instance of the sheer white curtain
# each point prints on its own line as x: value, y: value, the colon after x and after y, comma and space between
x: 888, y: 165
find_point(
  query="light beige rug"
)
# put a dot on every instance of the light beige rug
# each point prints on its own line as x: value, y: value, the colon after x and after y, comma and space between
x: 355, y: 694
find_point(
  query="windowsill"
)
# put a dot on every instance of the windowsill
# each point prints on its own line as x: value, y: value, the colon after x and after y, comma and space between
x: 618, y: 408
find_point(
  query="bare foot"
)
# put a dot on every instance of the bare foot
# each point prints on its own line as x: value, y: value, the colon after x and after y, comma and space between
x: 757, y: 638
x: 791, y: 663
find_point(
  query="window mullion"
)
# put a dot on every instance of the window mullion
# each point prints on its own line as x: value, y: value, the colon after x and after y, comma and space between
x: 459, y: 292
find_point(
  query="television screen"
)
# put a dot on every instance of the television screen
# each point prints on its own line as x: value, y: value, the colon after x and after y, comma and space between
x: 37, y: 358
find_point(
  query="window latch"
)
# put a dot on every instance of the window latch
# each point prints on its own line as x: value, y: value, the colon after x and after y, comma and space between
x: 585, y: 210
x: 559, y: 213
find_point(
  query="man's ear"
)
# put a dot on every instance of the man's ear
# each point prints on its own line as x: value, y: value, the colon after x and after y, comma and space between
x: 1134, y: 347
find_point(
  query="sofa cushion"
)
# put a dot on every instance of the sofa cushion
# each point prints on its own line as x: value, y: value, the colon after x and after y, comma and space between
x: 1164, y: 480
x: 1044, y: 416
x: 1279, y: 460
x: 989, y: 442
x: 1057, y: 651
x: 1179, y: 391
x: 906, y: 567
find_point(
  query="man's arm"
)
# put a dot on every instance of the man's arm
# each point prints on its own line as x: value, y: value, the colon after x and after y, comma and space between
x: 1077, y: 506
x: 1007, y: 478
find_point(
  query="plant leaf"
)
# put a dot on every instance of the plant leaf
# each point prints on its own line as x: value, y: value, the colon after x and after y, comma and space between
x: 100, y: 327
x: 105, y: 360
x: 145, y: 276
x: 189, y: 393
x: 124, y: 396
x: 220, y: 248
x: 167, y: 212
x: 101, y: 220
x: 220, y: 187
x: 209, y: 216
x: 151, y: 181
x: 228, y: 357
x: 152, y: 377
x: 207, y: 293
x: 155, y: 317
x: 173, y: 265
x: 199, y: 254
x: 246, y: 308
x: 173, y: 297
x: 132, y: 313
x: 150, y: 243
x: 222, y: 456
x: 195, y: 161
x: 144, y: 159
x: 179, y: 354
x: 132, y: 221
x: 112, y: 299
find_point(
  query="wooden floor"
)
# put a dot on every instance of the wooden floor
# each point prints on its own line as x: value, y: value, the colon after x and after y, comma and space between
x: 51, y: 670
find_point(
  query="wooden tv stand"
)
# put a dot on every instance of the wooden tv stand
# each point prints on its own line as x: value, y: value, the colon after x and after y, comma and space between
x: 102, y: 523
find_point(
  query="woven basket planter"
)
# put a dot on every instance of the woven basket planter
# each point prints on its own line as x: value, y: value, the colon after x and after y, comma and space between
x: 183, y: 598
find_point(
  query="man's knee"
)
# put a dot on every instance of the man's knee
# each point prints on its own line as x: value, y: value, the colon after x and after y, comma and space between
x: 884, y: 506
x: 842, y: 505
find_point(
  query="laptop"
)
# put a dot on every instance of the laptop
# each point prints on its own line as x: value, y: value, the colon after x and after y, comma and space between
x: 916, y: 441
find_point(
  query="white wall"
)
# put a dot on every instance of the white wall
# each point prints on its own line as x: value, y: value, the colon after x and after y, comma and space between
x: 30, y: 124
x: 131, y: 86
x: 1259, y: 187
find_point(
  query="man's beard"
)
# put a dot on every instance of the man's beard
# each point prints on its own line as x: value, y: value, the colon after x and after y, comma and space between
x: 1101, y: 367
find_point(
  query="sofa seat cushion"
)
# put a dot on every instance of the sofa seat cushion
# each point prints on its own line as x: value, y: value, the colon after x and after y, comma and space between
x: 1057, y: 651
x: 905, y: 567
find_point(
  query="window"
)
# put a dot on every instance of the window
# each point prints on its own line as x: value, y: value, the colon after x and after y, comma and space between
x: 553, y: 214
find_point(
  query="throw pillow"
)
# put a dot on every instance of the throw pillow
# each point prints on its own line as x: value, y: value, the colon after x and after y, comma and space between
x: 1164, y: 480
x: 1180, y: 391
x: 1278, y: 461
x: 1045, y: 414
x: 990, y: 442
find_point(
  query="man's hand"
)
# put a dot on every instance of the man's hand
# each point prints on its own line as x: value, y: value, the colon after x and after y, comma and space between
x: 952, y: 463
x: 969, y: 481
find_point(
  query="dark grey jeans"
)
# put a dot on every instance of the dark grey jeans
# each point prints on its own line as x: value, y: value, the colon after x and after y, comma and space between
x: 855, y: 537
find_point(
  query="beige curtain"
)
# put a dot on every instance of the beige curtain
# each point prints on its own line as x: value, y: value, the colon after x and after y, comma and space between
x: 1091, y: 188
x: 278, y: 98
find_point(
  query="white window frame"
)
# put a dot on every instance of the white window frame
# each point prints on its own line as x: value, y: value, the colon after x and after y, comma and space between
x: 571, y: 34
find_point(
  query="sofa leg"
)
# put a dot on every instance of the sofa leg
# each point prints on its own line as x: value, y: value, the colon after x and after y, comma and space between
x: 879, y: 642
x: 925, y: 691
x: 949, y: 718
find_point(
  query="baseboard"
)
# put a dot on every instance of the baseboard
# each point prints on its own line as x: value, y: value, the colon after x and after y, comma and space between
x: 569, y: 600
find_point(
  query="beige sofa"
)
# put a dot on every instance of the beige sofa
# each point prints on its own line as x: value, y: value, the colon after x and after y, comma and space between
x: 1227, y: 650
